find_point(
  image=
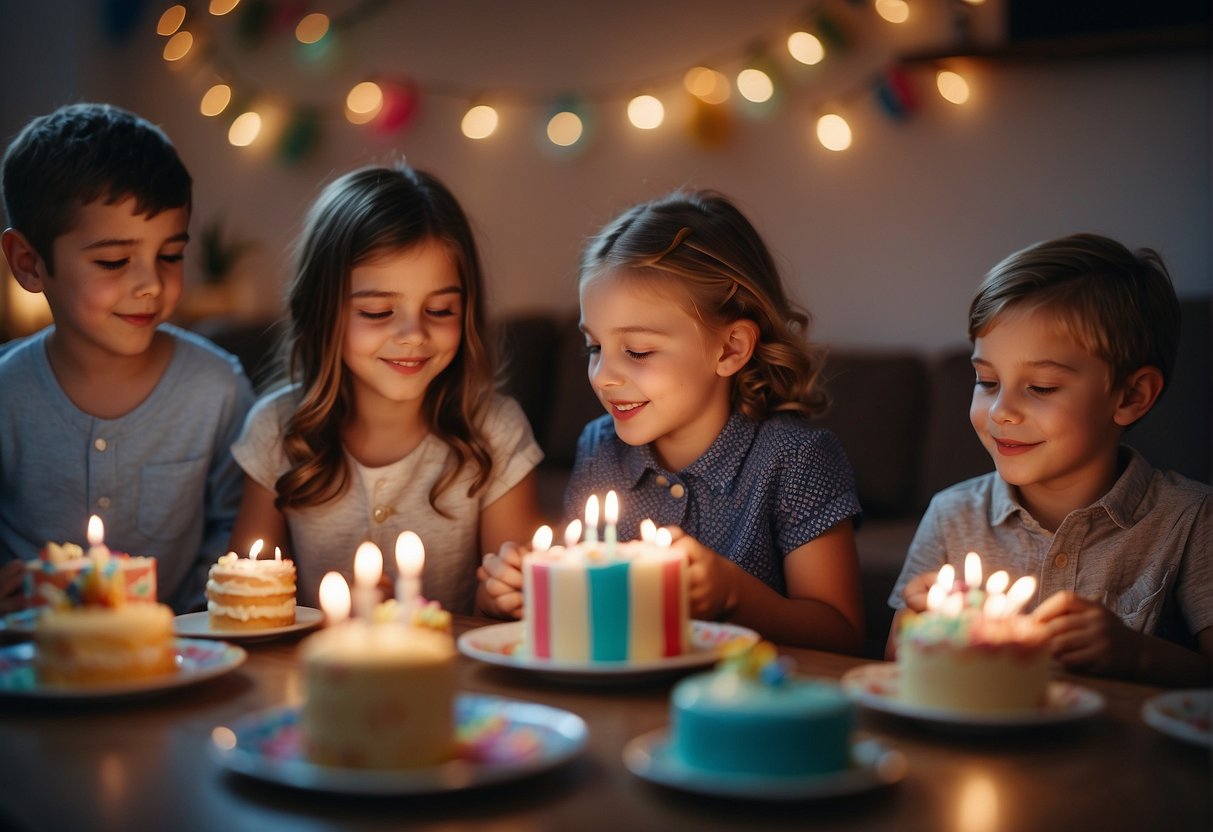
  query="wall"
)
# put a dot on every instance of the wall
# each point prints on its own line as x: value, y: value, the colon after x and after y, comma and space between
x: 885, y: 242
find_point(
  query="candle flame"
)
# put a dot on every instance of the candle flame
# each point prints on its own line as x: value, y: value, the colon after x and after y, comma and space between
x: 935, y: 597
x: 610, y: 508
x: 591, y: 512
x: 368, y: 565
x: 542, y: 540
x: 972, y: 570
x: 410, y: 554
x: 277, y: 554
x: 997, y: 583
x: 663, y: 538
x: 335, y: 598
x: 1020, y: 593
x: 946, y: 577
x: 648, y: 530
x: 96, y: 531
x: 572, y: 533
x: 255, y: 549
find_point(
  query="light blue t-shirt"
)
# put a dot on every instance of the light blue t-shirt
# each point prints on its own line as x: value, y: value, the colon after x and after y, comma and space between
x: 162, y: 477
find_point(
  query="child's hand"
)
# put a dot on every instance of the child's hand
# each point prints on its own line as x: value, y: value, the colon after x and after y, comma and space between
x: 12, y: 577
x: 915, y: 592
x: 500, y: 578
x: 1087, y: 636
x: 711, y: 584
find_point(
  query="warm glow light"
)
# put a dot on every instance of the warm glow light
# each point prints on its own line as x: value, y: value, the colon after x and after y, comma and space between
x: 223, y: 737
x: 312, y: 27
x: 833, y: 132
x: 363, y: 102
x: 952, y: 86
x: 946, y: 577
x: 894, y: 11
x: 410, y: 554
x: 707, y: 85
x: 565, y: 129
x: 215, y: 100
x: 368, y: 565
x: 479, y: 122
x: 1020, y: 593
x: 244, y: 129
x: 648, y: 530
x: 977, y: 807
x: 663, y: 538
x: 171, y: 20
x: 572, y: 533
x: 610, y: 508
x: 646, y: 112
x: 335, y: 598
x: 996, y: 584
x: 256, y: 548
x: 222, y: 7
x: 755, y: 85
x: 972, y: 570
x: 542, y: 539
x: 591, y: 512
x: 178, y: 46
x: 806, y: 48
x: 96, y: 531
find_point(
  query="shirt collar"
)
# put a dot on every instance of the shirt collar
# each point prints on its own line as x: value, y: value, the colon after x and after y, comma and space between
x: 718, y: 466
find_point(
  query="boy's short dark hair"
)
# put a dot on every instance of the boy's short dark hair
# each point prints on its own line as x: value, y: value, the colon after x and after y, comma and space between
x: 1119, y: 304
x: 79, y: 154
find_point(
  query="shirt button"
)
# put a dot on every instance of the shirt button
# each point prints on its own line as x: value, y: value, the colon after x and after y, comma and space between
x: 100, y: 444
x: 380, y: 514
x: 662, y: 481
x: 676, y: 491
x: 1061, y: 560
x: 103, y: 502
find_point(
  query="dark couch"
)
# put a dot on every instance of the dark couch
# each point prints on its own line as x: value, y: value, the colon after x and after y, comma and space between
x: 901, y: 415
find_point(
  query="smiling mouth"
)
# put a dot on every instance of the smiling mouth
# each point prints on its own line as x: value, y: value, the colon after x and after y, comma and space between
x: 1009, y: 447
x: 408, y: 363
x: 140, y: 319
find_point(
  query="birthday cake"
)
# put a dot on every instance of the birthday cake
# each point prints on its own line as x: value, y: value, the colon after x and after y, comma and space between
x: 59, y: 565
x: 971, y: 650
x: 379, y: 694
x: 751, y: 716
x: 90, y: 635
x: 250, y: 594
x: 594, y: 602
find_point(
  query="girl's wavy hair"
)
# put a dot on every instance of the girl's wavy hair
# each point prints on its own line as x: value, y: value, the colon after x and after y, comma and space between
x: 1120, y: 305
x: 700, y: 242
x: 358, y: 218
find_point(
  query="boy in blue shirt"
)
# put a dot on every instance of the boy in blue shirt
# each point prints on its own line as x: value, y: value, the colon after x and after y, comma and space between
x: 1073, y: 342
x: 111, y: 411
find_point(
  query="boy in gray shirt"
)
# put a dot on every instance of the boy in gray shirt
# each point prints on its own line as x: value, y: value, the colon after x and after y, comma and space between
x: 111, y: 411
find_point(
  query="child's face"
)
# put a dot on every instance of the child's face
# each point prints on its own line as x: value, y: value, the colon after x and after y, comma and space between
x: 404, y: 323
x: 118, y: 275
x: 653, y: 367
x: 1043, y: 405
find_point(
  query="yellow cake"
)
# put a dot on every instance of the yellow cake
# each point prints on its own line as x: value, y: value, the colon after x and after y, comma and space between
x: 250, y: 594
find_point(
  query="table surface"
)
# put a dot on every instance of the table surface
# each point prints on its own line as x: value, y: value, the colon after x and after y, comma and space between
x: 143, y: 763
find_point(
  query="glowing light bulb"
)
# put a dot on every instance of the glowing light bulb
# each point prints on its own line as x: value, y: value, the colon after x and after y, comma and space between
x: 215, y: 100
x: 806, y: 48
x: 171, y: 20
x: 221, y: 7
x: 479, y: 122
x: 646, y: 112
x: 707, y: 85
x: 952, y: 86
x: 244, y: 129
x: 755, y: 85
x: 312, y: 27
x: 178, y: 46
x: 565, y: 129
x: 894, y: 11
x: 833, y: 132
x: 363, y: 102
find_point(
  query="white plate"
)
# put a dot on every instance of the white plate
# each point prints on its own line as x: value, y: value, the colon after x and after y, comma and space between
x: 197, y: 661
x: 875, y: 686
x: 498, y: 644
x: 198, y: 625
x: 526, y: 738
x: 1183, y: 714
x: 649, y: 757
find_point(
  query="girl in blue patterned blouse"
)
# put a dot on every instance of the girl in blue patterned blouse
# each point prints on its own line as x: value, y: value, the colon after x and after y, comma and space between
x: 701, y: 362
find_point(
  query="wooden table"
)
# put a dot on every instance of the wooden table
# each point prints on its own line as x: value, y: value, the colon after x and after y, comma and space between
x: 142, y: 764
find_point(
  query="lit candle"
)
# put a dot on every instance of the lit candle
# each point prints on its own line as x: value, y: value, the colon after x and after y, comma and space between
x: 542, y: 539
x: 1020, y: 593
x: 610, y: 513
x: 368, y: 568
x: 572, y: 533
x: 277, y: 554
x: 96, y: 540
x: 255, y: 549
x: 410, y: 555
x: 972, y: 570
x: 591, y: 519
x: 648, y: 530
x: 663, y: 538
x: 334, y: 598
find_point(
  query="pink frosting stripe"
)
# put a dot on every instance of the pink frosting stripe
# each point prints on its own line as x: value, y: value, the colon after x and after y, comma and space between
x: 670, y: 583
x: 541, y: 595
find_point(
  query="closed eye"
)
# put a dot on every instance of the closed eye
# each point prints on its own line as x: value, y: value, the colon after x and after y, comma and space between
x: 440, y: 313
x: 173, y: 258
x: 638, y: 356
x: 112, y: 265
x: 374, y: 316
x: 1043, y: 391
x: 591, y: 349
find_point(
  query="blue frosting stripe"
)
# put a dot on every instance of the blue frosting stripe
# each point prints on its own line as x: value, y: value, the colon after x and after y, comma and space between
x: 609, y: 611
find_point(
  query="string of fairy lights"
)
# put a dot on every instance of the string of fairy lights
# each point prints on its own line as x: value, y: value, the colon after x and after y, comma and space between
x: 388, y: 104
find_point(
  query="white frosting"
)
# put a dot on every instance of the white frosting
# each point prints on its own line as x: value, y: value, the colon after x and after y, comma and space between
x: 249, y: 590
x: 244, y: 613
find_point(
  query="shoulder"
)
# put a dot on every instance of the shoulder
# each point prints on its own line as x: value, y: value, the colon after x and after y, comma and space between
x: 968, y: 496
x: 503, y: 411
x: 598, y: 433
x: 20, y: 354
x: 798, y: 441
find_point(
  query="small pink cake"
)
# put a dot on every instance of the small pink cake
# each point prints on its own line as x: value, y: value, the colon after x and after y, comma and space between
x: 59, y: 565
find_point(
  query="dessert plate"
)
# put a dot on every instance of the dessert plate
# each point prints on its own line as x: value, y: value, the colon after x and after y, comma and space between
x: 873, y: 765
x: 198, y: 625
x: 875, y: 686
x: 1184, y: 714
x: 500, y: 644
x: 197, y: 661
x: 499, y: 740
